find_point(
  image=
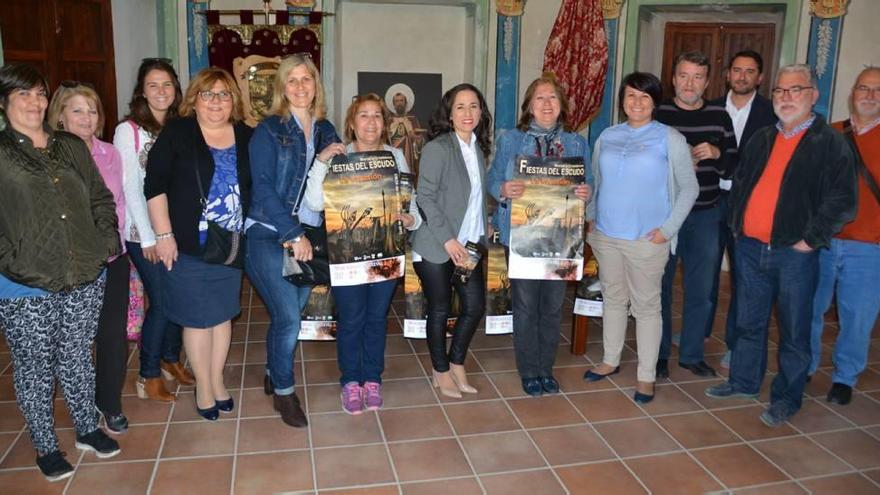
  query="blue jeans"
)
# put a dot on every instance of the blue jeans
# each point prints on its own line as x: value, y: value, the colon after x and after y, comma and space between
x: 785, y: 277
x: 700, y: 254
x: 361, y: 314
x: 725, y: 241
x: 160, y: 338
x: 285, y: 302
x: 854, y: 268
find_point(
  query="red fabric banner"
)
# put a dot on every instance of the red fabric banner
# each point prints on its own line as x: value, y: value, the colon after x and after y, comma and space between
x: 577, y: 54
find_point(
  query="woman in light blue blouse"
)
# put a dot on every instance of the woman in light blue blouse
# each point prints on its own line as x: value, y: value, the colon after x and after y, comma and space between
x: 645, y: 187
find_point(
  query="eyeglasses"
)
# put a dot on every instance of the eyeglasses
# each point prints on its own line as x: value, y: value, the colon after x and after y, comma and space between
x: 207, y: 96
x: 865, y: 90
x: 157, y: 59
x: 794, y: 91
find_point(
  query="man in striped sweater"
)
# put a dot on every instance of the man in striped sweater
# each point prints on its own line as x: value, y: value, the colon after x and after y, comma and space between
x: 709, y: 131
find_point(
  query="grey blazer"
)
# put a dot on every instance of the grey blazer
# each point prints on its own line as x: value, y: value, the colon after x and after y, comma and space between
x: 442, y: 196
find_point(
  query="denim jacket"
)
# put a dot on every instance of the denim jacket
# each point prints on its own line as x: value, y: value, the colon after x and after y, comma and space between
x: 516, y: 142
x: 278, y: 168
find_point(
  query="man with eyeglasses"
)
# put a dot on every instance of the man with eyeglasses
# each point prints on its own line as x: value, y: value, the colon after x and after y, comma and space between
x: 749, y: 112
x: 709, y: 132
x: 794, y: 188
x: 850, y: 267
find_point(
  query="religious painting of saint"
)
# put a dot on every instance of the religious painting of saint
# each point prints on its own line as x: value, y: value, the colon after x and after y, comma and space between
x: 255, y: 76
x: 410, y: 97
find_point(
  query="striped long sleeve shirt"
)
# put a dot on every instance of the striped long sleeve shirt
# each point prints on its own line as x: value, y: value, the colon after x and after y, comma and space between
x: 708, y: 124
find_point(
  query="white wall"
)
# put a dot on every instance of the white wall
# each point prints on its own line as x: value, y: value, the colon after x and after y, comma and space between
x: 378, y: 37
x: 134, y: 38
x: 859, y: 46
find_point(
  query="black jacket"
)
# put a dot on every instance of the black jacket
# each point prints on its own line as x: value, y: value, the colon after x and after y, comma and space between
x: 171, y: 171
x: 760, y: 115
x: 818, y: 194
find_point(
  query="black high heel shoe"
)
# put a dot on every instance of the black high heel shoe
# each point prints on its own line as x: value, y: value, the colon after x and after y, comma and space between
x: 643, y: 398
x: 211, y: 413
x: 225, y: 405
x: 592, y: 376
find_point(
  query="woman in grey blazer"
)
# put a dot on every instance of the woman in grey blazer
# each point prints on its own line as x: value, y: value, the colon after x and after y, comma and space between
x: 451, y: 199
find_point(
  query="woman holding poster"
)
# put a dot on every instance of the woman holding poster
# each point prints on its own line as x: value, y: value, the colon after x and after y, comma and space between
x: 451, y: 197
x: 361, y: 309
x: 542, y: 131
x: 645, y: 187
x: 282, y: 149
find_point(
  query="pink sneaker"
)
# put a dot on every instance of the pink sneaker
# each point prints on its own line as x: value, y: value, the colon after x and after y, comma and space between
x: 373, y: 393
x: 352, y: 398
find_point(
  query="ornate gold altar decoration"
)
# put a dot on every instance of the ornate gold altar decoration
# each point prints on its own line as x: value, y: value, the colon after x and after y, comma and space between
x: 306, y: 4
x: 828, y: 9
x: 611, y: 9
x: 511, y: 8
x: 255, y: 76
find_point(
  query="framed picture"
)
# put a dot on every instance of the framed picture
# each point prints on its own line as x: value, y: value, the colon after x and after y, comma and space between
x: 411, y: 98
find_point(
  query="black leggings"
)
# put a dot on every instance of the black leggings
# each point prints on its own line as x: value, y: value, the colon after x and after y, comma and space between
x: 437, y: 284
x: 111, y: 344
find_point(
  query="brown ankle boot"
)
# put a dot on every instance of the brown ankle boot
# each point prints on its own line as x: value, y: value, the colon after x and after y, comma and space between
x: 153, y: 389
x: 176, y: 371
x: 291, y: 412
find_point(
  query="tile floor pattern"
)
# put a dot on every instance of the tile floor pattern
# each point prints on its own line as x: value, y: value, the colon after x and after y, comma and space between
x: 592, y: 438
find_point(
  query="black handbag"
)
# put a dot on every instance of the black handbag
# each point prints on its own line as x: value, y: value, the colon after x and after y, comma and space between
x: 222, y: 247
x: 315, y: 271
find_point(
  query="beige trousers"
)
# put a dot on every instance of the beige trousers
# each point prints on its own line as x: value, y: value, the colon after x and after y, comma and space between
x: 630, y: 274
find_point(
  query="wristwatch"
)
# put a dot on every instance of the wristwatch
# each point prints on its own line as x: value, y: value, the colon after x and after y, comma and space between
x: 296, y: 239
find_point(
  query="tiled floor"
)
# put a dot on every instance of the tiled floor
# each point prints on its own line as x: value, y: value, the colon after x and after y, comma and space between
x: 590, y: 439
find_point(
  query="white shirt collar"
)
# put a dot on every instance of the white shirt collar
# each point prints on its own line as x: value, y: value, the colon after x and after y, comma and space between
x: 746, y: 107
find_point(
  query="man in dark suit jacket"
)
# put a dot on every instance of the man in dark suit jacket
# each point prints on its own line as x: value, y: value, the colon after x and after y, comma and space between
x: 749, y: 112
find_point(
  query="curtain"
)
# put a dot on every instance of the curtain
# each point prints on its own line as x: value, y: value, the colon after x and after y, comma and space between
x: 577, y: 54
x: 228, y: 42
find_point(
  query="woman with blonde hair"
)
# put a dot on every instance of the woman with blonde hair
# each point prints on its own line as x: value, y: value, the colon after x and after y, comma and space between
x: 76, y: 108
x: 361, y: 310
x: 282, y: 150
x: 199, y: 174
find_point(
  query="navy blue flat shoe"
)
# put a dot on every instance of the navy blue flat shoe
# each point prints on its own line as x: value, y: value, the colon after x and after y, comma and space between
x: 549, y: 385
x: 532, y: 386
x: 643, y: 398
x: 591, y: 376
x: 211, y: 413
x: 225, y: 405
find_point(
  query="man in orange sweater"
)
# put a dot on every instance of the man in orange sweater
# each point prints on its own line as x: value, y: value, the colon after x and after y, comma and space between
x: 794, y: 188
x: 850, y: 267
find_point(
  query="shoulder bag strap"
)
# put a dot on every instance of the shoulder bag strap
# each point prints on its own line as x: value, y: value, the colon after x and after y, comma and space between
x: 860, y: 162
x: 137, y: 137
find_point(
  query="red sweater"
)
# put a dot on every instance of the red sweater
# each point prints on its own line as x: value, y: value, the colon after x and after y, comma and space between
x: 866, y: 226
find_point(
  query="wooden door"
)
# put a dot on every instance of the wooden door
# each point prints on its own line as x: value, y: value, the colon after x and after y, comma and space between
x: 65, y: 40
x: 718, y: 41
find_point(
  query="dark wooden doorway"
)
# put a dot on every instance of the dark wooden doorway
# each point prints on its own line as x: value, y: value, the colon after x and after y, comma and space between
x: 65, y: 40
x: 719, y: 41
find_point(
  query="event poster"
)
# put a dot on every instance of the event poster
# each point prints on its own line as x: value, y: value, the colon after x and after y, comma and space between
x: 317, y: 320
x: 499, y: 313
x: 415, y: 316
x: 360, y: 203
x: 547, y: 222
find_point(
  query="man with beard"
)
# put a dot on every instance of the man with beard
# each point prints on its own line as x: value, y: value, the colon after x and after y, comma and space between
x: 709, y: 132
x: 404, y: 132
x: 794, y: 188
x: 850, y: 268
x: 749, y: 112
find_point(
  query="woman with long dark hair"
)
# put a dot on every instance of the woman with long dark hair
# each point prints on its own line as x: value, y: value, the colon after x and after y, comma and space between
x: 154, y: 102
x: 452, y: 200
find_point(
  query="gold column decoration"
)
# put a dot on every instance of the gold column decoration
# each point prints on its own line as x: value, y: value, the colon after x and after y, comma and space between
x: 828, y: 9
x: 510, y: 8
x: 304, y: 4
x: 611, y: 9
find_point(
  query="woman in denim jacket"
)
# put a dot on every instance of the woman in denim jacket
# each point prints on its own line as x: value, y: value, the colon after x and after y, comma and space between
x: 282, y: 150
x: 537, y: 304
